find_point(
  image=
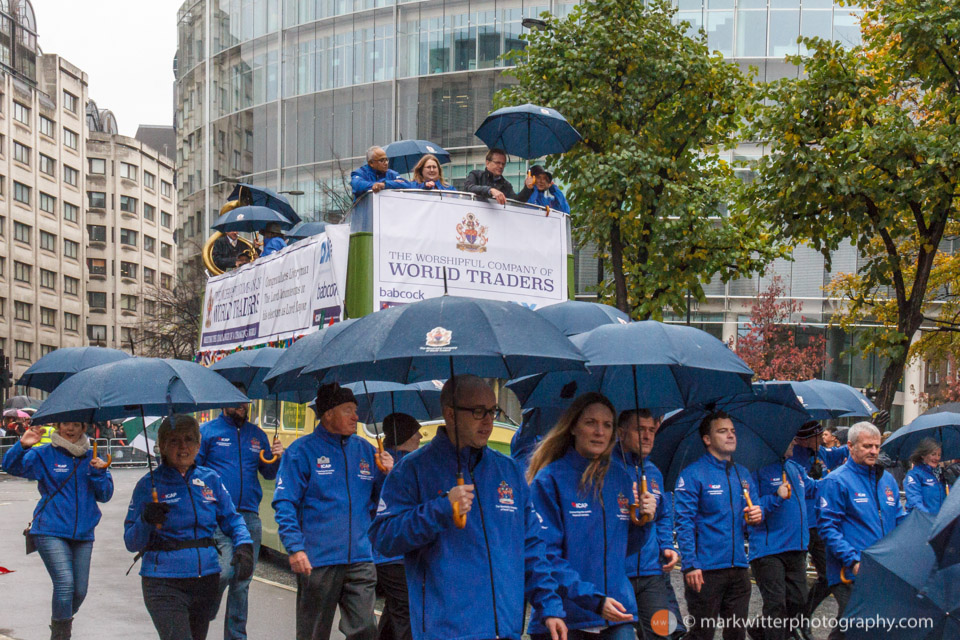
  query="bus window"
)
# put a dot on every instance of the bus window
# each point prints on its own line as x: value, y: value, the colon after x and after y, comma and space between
x: 269, y: 415
x: 293, y: 416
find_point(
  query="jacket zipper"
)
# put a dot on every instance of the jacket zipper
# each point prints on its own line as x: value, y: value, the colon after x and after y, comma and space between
x: 196, y: 523
x: 240, y: 468
x: 486, y: 542
x: 76, y: 500
x: 603, y: 519
x: 346, y: 479
x: 733, y: 520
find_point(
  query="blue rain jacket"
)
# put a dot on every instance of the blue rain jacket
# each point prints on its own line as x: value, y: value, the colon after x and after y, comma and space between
x: 272, y: 246
x: 362, y: 180
x: 326, y: 497
x: 552, y: 198
x: 924, y: 489
x: 586, y: 539
x: 708, y: 514
x: 858, y: 506
x: 470, y: 583
x: 379, y: 558
x: 786, y: 525
x: 73, y: 514
x: 645, y: 543
x: 439, y: 186
x: 805, y: 458
x: 235, y: 455
x: 834, y: 457
x: 199, y: 504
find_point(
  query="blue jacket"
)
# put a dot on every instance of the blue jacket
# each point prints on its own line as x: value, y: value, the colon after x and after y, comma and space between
x: 235, y: 455
x: 924, y: 489
x: 439, y: 186
x: 644, y: 544
x: 785, y: 525
x: 73, y: 514
x: 709, y: 514
x: 362, y: 180
x: 834, y: 457
x: 857, y: 508
x: 586, y: 539
x: 326, y: 497
x: 379, y: 558
x: 272, y: 246
x: 465, y: 584
x: 552, y: 198
x: 805, y: 458
x: 199, y: 504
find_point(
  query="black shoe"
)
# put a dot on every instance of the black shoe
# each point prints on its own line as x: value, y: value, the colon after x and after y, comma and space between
x: 61, y: 629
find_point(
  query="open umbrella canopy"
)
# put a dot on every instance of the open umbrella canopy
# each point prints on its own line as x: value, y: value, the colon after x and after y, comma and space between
x: 944, y: 535
x: 825, y: 400
x: 766, y: 419
x: 285, y: 376
x: 133, y: 427
x: 405, y: 154
x: 942, y: 427
x: 264, y: 197
x: 431, y: 339
x: 304, y: 230
x: 15, y: 413
x: 376, y: 400
x: 952, y: 407
x: 251, y: 218
x: 58, y: 365
x: 574, y: 317
x: 535, y: 424
x: 250, y: 367
x: 528, y: 131
x: 132, y: 386
x: 21, y: 402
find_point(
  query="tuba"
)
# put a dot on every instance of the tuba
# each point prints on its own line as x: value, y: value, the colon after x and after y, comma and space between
x: 207, y: 253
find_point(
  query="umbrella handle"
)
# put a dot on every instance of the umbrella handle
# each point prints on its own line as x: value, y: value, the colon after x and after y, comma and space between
x: 380, y: 466
x: 459, y: 520
x: 156, y: 499
x: 843, y: 576
x: 109, y: 455
x: 746, y: 496
x: 787, y: 483
x: 635, y: 507
x: 272, y: 457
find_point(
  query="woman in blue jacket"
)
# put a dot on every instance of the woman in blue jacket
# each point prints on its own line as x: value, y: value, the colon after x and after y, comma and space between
x: 584, y: 502
x: 429, y: 175
x: 923, y: 485
x: 180, y: 574
x: 71, y: 483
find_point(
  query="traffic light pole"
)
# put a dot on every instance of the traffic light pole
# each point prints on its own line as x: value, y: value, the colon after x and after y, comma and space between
x: 6, y: 377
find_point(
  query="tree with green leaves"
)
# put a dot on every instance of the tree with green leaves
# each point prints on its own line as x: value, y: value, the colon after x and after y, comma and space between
x: 647, y: 184
x: 866, y: 147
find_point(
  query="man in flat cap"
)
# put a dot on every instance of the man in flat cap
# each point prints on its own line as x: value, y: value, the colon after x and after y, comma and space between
x: 327, y: 491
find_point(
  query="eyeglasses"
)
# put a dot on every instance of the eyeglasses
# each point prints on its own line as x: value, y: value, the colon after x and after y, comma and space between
x: 383, y: 159
x: 479, y: 413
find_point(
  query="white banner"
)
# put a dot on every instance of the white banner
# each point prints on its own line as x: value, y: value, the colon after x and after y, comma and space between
x: 285, y: 295
x: 510, y: 253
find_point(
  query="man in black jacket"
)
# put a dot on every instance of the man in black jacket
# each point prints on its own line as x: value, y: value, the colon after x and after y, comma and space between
x: 490, y: 182
x: 225, y: 251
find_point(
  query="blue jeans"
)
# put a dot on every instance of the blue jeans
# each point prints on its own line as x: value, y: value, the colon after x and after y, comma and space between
x: 619, y: 632
x: 235, y: 620
x: 68, y: 563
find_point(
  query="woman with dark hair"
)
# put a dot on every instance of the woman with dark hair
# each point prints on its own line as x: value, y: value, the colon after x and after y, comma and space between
x: 428, y: 174
x: 584, y: 502
x: 180, y: 574
x: 71, y: 483
x: 923, y: 485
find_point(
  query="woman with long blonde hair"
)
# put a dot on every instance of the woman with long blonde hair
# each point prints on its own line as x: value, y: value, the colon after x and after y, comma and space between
x: 428, y: 174
x: 584, y: 502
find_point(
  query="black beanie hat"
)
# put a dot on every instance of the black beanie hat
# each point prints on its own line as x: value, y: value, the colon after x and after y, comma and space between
x: 810, y: 429
x: 398, y: 428
x: 332, y: 395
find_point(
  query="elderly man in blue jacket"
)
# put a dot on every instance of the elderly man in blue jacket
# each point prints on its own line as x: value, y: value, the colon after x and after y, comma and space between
x: 376, y: 175
x: 231, y: 446
x: 859, y: 505
x: 326, y: 496
x: 711, y: 514
x: 467, y: 583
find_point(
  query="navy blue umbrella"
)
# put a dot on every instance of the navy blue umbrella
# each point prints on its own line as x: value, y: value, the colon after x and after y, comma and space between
x: 55, y: 367
x: 405, y: 154
x: 304, y: 230
x: 376, y: 400
x: 945, y: 533
x: 285, y: 376
x: 528, y: 131
x: 766, y: 419
x: 251, y: 218
x: 899, y: 581
x: 840, y: 400
x: 942, y: 427
x: 573, y: 317
x: 264, y: 197
x: 536, y: 423
x: 952, y: 407
x: 250, y: 367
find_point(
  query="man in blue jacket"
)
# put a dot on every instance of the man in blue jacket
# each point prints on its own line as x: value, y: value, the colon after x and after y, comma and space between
x: 859, y: 504
x: 545, y: 193
x: 326, y: 496
x: 711, y: 513
x: 231, y: 446
x: 376, y: 175
x: 466, y: 583
x: 650, y: 552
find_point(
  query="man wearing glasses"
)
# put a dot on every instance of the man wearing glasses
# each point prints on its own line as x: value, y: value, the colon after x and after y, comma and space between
x: 466, y: 581
x: 490, y: 183
x: 376, y: 175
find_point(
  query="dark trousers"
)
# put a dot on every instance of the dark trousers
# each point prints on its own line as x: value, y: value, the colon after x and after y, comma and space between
x: 782, y: 581
x: 651, y: 593
x: 820, y: 589
x: 842, y: 593
x: 725, y: 595
x: 181, y: 608
x: 672, y: 603
x: 395, y: 619
x: 349, y: 586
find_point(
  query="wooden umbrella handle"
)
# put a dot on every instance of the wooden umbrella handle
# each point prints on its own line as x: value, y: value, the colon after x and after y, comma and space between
x: 635, y: 507
x: 746, y: 496
x: 380, y: 466
x: 272, y: 457
x: 787, y: 483
x: 843, y: 576
x: 109, y: 455
x: 459, y: 520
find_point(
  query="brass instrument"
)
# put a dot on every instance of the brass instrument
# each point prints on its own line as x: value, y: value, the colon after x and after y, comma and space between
x: 207, y: 253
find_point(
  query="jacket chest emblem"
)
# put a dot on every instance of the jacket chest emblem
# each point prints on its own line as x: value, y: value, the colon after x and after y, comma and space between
x: 889, y: 493
x: 859, y: 496
x: 580, y: 509
x: 198, y: 482
x: 623, y: 504
x: 60, y: 468
x: 364, y: 468
x: 224, y: 441
x: 505, y: 500
x: 254, y: 445
x: 207, y: 494
x: 714, y: 489
x: 324, y: 468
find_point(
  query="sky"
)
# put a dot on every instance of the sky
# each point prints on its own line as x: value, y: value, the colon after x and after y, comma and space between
x: 126, y: 47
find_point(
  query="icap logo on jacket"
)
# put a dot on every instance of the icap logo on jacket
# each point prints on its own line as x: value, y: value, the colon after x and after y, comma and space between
x: 60, y: 468
x: 323, y: 462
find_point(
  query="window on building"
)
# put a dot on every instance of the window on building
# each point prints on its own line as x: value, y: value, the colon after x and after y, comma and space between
x: 149, y: 212
x: 128, y: 237
x: 22, y: 272
x: 3, y: 185
x: 96, y: 199
x: 96, y: 233
x: 21, y: 192
x: 166, y: 281
x: 71, y: 176
x: 128, y: 171
x: 149, y: 275
x: 48, y: 165
x: 23, y: 350
x: 97, y: 299
x: 46, y: 348
x: 48, y: 279
x: 3, y: 313
x: 128, y: 204
x: 71, y: 139
x: 98, y: 166
x: 128, y: 302
x: 71, y: 212
x: 150, y: 307
x: 22, y: 310
x: 48, y: 203
x: 128, y: 335
x: 97, y: 333
x: 166, y: 189
x: 128, y: 270
x: 149, y: 180
x: 71, y: 249
x: 166, y: 220
x: 70, y: 101
x: 71, y: 321
x: 149, y: 244
x: 97, y: 266
x: 166, y: 250
x: 48, y: 127
x: 22, y: 232
x: 48, y: 241
x: 48, y: 317
x: 21, y: 113
x: 21, y: 153
x: 71, y: 285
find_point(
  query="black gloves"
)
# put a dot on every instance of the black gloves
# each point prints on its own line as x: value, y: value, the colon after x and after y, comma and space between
x: 155, y: 513
x: 881, y: 419
x: 242, y: 562
x: 816, y: 470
